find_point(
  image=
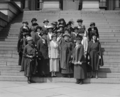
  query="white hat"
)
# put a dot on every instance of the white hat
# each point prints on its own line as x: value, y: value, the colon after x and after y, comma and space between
x: 29, y: 38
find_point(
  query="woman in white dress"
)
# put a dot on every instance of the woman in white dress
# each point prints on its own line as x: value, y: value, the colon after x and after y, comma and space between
x: 54, y: 55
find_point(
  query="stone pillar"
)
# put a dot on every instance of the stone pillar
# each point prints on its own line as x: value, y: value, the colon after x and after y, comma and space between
x: 26, y: 4
x: 92, y: 5
x: 117, y: 4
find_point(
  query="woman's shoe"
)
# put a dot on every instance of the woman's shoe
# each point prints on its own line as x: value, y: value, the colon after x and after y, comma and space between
x: 29, y: 82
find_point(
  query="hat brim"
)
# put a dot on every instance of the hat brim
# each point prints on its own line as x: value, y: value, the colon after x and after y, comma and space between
x: 45, y: 21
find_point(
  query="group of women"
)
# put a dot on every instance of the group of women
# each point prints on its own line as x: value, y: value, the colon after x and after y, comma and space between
x: 59, y: 49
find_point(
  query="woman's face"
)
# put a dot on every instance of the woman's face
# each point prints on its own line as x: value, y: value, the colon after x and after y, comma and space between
x: 30, y: 42
x: 94, y: 37
x: 78, y: 41
x: 80, y: 23
x: 34, y: 22
x: 46, y: 23
x: 61, y: 22
x: 76, y: 31
x: 38, y: 30
x: 49, y: 30
x: 24, y: 24
x: 66, y: 38
x: 54, y: 38
x: 92, y: 26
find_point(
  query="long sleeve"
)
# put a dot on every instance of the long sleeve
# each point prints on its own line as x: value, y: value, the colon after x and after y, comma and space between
x: 97, y: 32
x: 81, y: 53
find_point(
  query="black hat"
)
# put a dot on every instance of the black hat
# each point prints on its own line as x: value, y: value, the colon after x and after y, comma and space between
x: 35, y: 24
x: 38, y: 27
x: 78, y: 37
x: 94, y: 34
x: 75, y: 28
x: 54, y: 23
x: 79, y: 20
x: 61, y: 19
x: 66, y: 34
x: 43, y: 33
x: 25, y: 22
x: 50, y: 27
x: 92, y: 24
x: 46, y: 20
x: 33, y: 19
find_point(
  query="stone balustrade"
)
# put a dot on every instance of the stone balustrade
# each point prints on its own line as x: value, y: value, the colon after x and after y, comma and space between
x: 10, y: 8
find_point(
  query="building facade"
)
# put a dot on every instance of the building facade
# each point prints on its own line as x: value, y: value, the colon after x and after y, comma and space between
x: 66, y: 4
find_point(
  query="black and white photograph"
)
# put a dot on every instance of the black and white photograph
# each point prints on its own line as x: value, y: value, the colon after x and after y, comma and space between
x: 59, y: 48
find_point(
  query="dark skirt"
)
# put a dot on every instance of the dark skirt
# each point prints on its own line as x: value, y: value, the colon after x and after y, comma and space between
x: 68, y: 70
x: 29, y: 67
x: 44, y: 67
x: 94, y: 56
x: 23, y: 63
x: 80, y: 71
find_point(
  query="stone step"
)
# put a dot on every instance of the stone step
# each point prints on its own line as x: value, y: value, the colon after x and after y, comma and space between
x: 12, y: 74
x: 110, y: 70
x: 13, y: 78
x: 14, y: 47
x: 15, y: 56
x: 65, y: 80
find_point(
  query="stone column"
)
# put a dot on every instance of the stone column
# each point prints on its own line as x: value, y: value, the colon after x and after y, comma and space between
x: 92, y: 5
x: 26, y: 4
x: 117, y: 4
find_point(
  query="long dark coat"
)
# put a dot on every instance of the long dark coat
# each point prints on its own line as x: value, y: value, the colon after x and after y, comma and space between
x: 94, y: 51
x: 33, y: 29
x: 30, y: 63
x: 44, y: 63
x: 66, y: 48
x: 78, y: 56
x: 91, y: 32
x: 20, y: 47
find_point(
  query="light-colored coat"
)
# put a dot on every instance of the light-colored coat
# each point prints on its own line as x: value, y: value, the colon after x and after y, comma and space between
x: 53, y: 50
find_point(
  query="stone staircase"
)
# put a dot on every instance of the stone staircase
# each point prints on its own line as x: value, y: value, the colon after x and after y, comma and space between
x: 108, y: 23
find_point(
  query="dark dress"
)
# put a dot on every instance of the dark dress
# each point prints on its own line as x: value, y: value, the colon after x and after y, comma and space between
x: 79, y: 70
x: 94, y: 51
x: 30, y: 63
x: 33, y: 29
x: 24, y: 32
x: 66, y: 48
x: 91, y: 32
x: 81, y: 29
x: 44, y: 63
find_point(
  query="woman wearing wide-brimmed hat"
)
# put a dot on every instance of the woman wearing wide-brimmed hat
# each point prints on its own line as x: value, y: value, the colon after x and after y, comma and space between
x: 95, y: 55
x: 30, y: 59
x: 42, y: 46
x: 54, y: 55
x: 93, y: 30
x: 66, y: 47
x: 79, y: 61
x: 33, y: 27
x: 45, y: 24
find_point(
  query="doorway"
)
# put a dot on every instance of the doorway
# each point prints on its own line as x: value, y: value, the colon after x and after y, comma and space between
x: 72, y: 4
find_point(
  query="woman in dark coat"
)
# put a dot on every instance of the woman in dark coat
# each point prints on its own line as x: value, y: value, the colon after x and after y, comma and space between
x: 93, y: 30
x: 37, y: 35
x: 42, y: 46
x: 95, y: 55
x: 24, y: 32
x: 80, y: 72
x: 33, y: 27
x: 66, y: 48
x: 30, y: 59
